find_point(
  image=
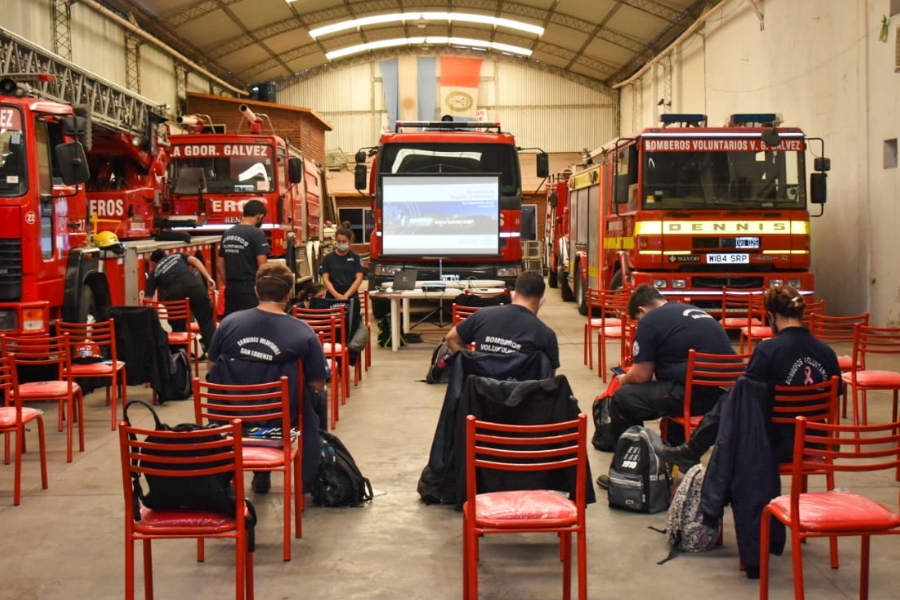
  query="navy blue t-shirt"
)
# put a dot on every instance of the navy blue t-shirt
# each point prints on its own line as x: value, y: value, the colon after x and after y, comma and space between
x: 240, y: 246
x: 167, y: 271
x: 793, y: 357
x: 666, y: 334
x: 508, y: 329
x: 341, y: 270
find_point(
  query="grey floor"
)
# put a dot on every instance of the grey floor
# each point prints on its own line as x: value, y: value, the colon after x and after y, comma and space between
x: 66, y: 542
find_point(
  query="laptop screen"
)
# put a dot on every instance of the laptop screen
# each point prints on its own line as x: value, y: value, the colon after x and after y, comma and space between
x: 405, y: 280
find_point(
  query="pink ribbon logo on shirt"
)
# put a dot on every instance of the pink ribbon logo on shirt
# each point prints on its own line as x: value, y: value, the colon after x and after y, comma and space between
x: 807, y: 380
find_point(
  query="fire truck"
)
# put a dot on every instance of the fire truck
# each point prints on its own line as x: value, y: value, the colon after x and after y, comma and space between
x: 49, y: 266
x: 213, y: 175
x: 447, y: 202
x: 556, y: 233
x: 693, y: 209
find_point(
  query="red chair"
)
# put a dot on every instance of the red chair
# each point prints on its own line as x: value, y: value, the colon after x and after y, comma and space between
x: 757, y: 333
x: 607, y: 314
x: 501, y: 447
x: 337, y: 345
x: 835, y: 512
x: 260, y: 405
x: 100, y: 337
x: 13, y: 420
x: 458, y: 312
x: 178, y: 314
x: 145, y: 525
x: 736, y: 309
x: 364, y: 322
x: 53, y: 353
x: 325, y: 327
x: 705, y: 370
x: 838, y: 330
x: 867, y: 341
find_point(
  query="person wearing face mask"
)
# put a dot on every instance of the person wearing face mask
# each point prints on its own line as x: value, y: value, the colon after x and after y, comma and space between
x: 342, y: 274
x: 243, y: 250
x: 793, y: 357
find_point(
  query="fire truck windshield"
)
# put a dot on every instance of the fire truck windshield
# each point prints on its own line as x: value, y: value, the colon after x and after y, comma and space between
x: 238, y: 173
x: 454, y: 158
x: 714, y: 180
x: 13, y: 178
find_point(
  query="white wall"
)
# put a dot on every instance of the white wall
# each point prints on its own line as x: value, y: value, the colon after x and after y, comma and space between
x: 819, y: 64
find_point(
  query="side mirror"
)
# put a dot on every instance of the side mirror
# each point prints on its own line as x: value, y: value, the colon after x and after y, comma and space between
x: 73, y: 163
x: 822, y: 164
x: 622, y: 182
x: 295, y: 170
x: 360, y: 158
x: 818, y: 188
x: 359, y: 177
x: 543, y: 165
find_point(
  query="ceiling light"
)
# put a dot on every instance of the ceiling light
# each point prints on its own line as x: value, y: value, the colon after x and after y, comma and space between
x: 431, y: 40
x: 420, y: 19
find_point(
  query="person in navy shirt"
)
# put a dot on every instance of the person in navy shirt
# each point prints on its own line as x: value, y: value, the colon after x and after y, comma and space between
x: 243, y: 250
x: 173, y: 277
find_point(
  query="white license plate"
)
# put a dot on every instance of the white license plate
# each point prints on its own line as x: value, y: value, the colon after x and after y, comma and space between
x: 729, y: 258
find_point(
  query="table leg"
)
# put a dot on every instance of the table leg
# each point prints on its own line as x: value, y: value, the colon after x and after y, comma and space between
x: 395, y: 324
x: 405, y: 315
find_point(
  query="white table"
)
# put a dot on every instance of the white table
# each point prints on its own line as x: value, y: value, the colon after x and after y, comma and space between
x: 400, y: 302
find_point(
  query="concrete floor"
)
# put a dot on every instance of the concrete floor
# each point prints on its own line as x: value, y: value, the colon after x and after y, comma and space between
x: 66, y: 542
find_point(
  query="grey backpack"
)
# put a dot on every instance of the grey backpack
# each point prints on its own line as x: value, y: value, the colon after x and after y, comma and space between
x: 684, y: 526
x: 638, y: 480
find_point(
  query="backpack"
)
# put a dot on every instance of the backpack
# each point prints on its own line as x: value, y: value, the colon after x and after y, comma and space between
x: 339, y: 481
x: 684, y: 525
x: 384, y: 333
x: 638, y: 481
x: 603, y: 439
x: 438, y: 371
x: 213, y: 492
x: 179, y: 385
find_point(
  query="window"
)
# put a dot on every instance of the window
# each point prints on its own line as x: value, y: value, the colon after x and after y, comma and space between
x: 890, y: 153
x: 361, y: 223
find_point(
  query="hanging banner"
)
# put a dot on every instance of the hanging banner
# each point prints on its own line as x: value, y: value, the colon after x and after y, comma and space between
x: 460, y: 78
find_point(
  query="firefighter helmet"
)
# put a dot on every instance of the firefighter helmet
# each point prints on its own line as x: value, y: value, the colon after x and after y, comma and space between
x: 107, y: 240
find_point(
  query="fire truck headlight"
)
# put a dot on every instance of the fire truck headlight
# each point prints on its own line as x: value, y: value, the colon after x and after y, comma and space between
x: 679, y: 284
x: 8, y: 320
x: 773, y: 282
x: 508, y: 272
x: 33, y: 319
x: 795, y: 283
x: 660, y: 284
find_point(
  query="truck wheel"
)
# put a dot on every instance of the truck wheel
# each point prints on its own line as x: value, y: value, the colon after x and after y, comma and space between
x: 616, y: 283
x: 552, y: 280
x: 581, y: 296
x: 380, y: 307
x: 565, y: 291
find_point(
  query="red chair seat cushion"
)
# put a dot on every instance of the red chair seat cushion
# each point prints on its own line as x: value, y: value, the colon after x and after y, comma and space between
x: 263, y: 456
x: 838, y: 511
x: 329, y: 348
x: 524, y: 509
x: 180, y: 338
x: 760, y: 331
x: 736, y: 322
x: 597, y: 323
x: 186, y: 520
x: 45, y: 389
x: 8, y: 416
x: 876, y: 379
x: 846, y: 362
x: 96, y: 369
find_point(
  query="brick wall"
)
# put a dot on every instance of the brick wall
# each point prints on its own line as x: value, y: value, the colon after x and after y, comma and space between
x: 305, y: 129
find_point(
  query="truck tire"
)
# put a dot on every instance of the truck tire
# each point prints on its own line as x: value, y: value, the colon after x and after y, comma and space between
x: 581, y: 296
x: 616, y: 283
x: 552, y: 278
x: 565, y: 291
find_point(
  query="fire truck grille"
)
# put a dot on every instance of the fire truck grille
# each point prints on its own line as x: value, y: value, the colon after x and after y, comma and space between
x: 720, y: 281
x: 10, y: 270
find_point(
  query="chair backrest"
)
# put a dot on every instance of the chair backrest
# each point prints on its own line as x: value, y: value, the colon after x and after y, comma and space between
x: 830, y: 328
x: 812, y: 307
x: 256, y: 405
x: 736, y: 305
x: 7, y: 377
x: 316, y: 315
x: 705, y: 369
x: 181, y: 456
x: 99, y: 334
x: 171, y: 310
x: 326, y: 327
x: 502, y: 447
x: 39, y: 351
x: 873, y: 340
x: 830, y: 448
x: 459, y: 312
x: 817, y: 403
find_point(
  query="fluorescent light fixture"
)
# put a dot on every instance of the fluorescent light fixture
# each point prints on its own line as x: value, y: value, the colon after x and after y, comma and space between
x: 433, y: 40
x: 413, y: 17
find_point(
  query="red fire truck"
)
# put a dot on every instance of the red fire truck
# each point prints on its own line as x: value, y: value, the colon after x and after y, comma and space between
x: 556, y: 232
x: 49, y: 265
x: 447, y: 202
x: 214, y: 174
x: 693, y: 209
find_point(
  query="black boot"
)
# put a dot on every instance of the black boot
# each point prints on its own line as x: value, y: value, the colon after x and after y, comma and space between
x: 684, y: 456
x: 262, y: 482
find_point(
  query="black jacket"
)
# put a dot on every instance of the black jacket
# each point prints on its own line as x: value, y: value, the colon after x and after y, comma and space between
x: 437, y: 483
x: 143, y: 345
x: 743, y: 469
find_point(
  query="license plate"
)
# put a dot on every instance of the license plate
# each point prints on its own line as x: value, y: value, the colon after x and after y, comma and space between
x: 727, y: 259
x: 751, y: 243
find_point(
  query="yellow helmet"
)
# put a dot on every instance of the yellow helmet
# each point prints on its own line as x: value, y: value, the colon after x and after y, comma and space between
x: 107, y: 240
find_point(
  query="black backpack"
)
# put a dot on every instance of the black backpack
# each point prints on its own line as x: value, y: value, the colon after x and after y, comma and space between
x: 213, y: 492
x: 638, y: 480
x: 178, y: 386
x: 384, y: 333
x: 438, y: 372
x: 339, y: 481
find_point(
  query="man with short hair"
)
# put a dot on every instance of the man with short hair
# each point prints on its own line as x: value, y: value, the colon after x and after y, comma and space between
x: 243, y: 250
x: 175, y: 280
x: 509, y: 329
x: 262, y: 344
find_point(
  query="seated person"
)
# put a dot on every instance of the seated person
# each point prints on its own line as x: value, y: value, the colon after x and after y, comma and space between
x: 262, y: 344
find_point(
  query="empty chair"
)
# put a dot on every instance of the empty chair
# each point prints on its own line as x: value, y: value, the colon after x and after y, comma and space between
x: 608, y: 316
x: 99, y: 339
x: 13, y: 420
x: 833, y: 449
x: 458, y: 312
x: 186, y: 458
x: 736, y: 309
x: 325, y: 327
x: 526, y: 448
x: 868, y: 342
x: 834, y: 331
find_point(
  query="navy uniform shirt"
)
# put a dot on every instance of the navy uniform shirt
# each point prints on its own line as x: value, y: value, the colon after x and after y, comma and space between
x: 167, y: 271
x: 508, y: 329
x: 240, y: 246
x: 341, y: 270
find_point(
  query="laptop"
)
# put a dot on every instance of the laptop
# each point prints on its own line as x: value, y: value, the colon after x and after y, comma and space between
x: 404, y: 280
